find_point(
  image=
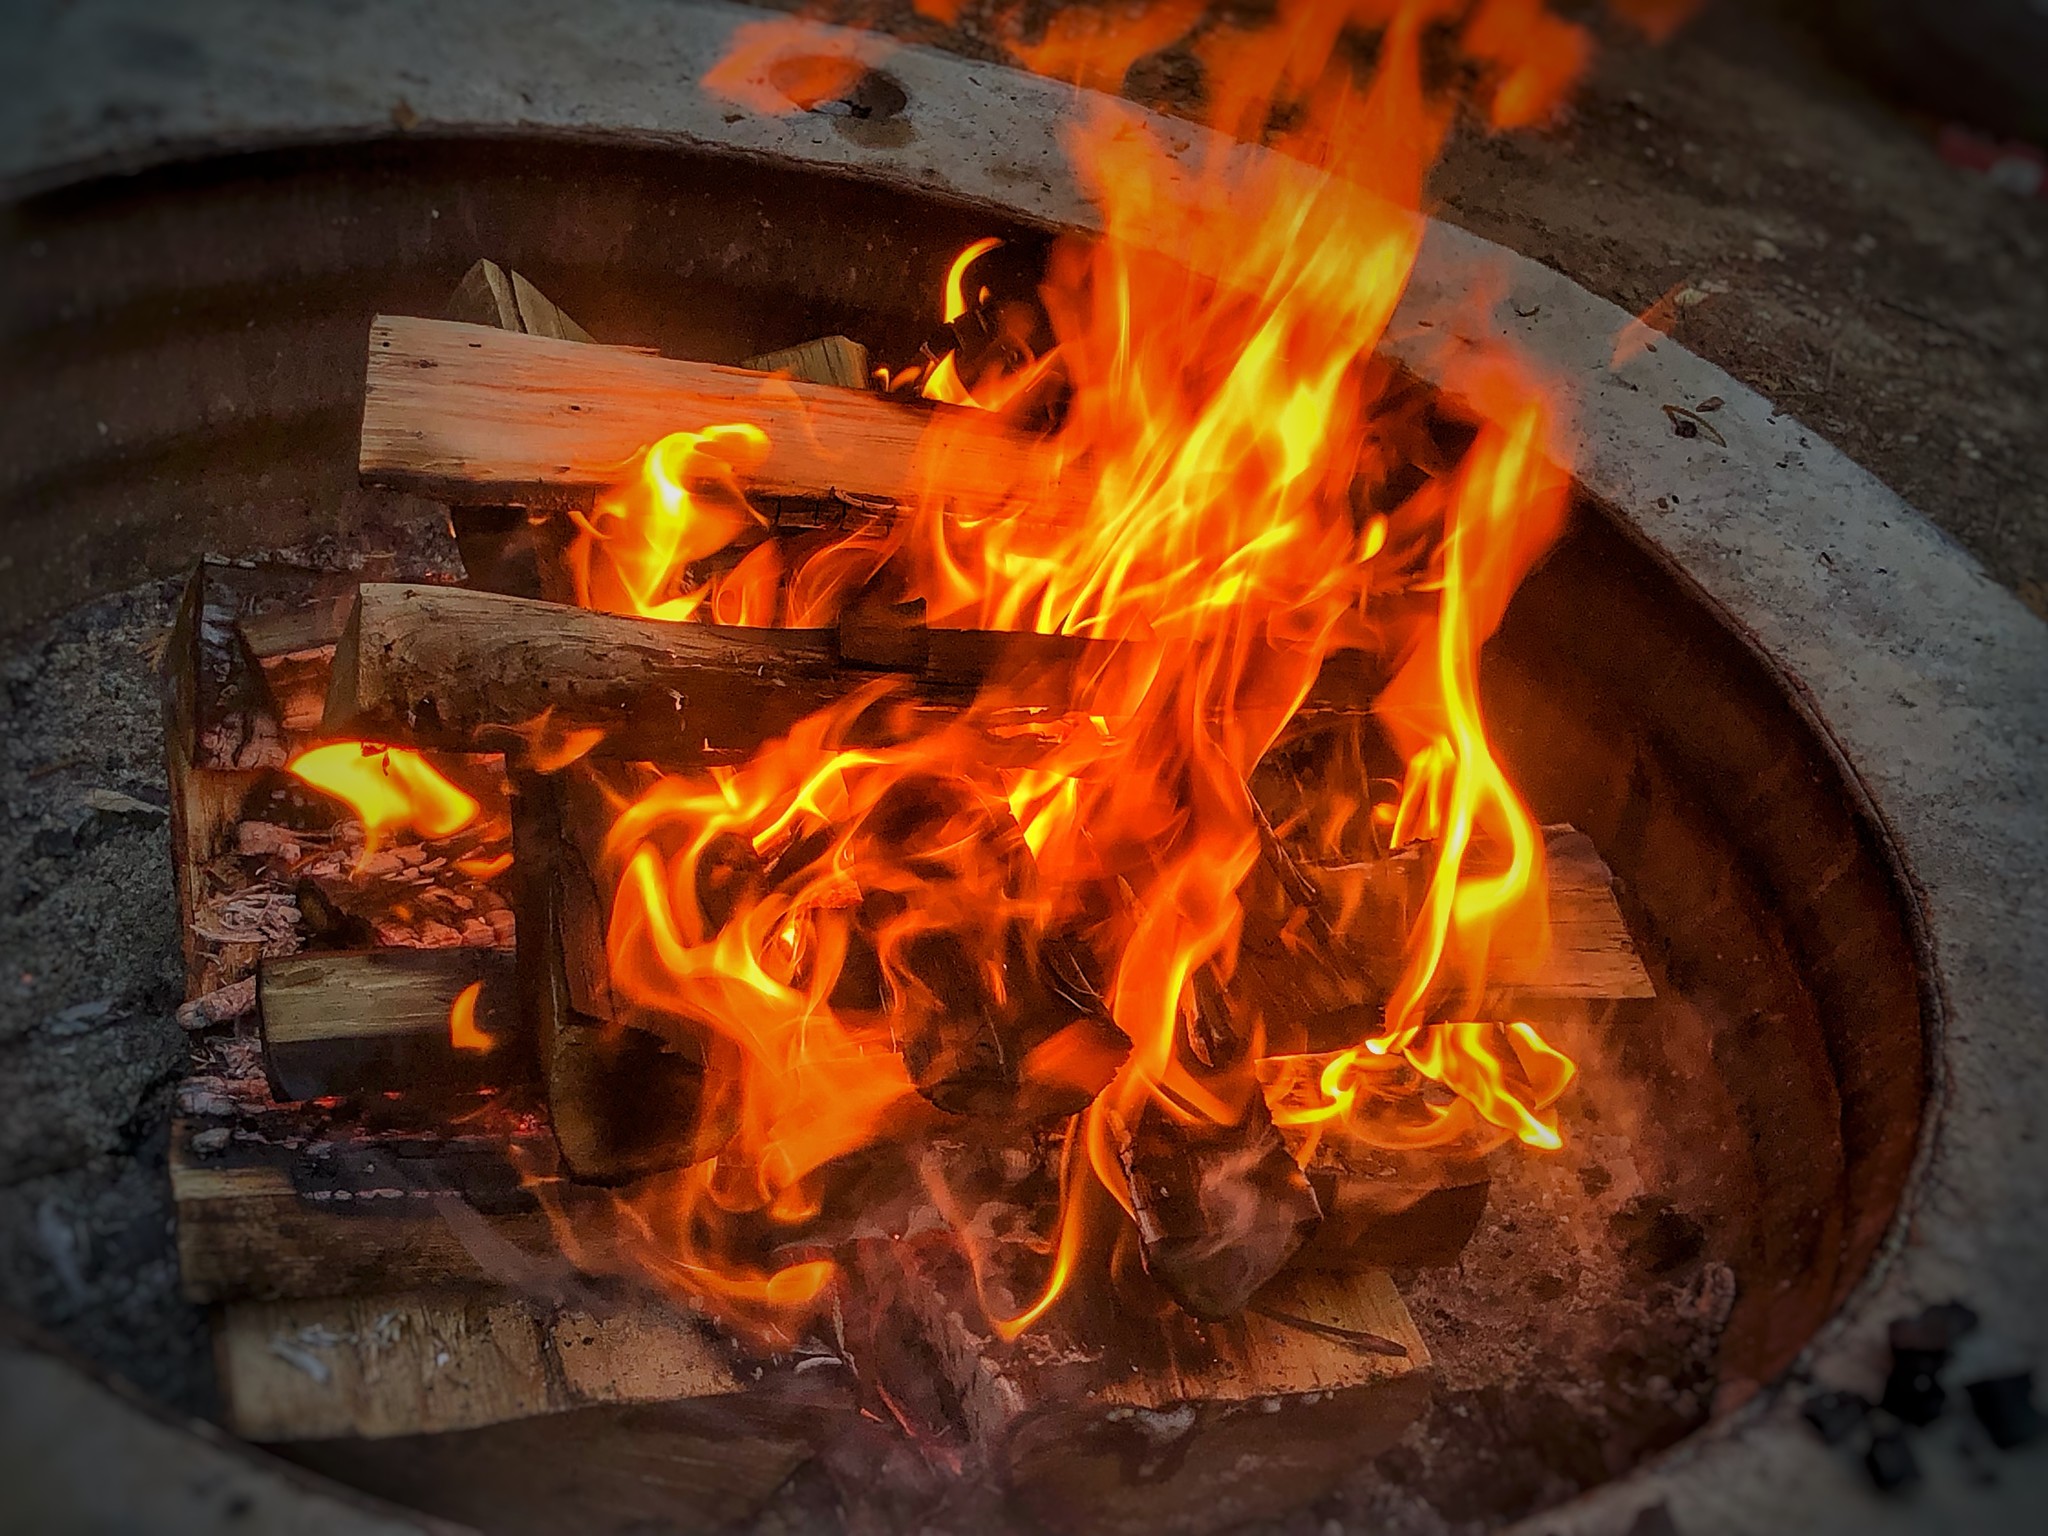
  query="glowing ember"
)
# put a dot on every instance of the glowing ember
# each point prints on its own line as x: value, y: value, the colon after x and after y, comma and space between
x: 387, y: 788
x: 873, y: 914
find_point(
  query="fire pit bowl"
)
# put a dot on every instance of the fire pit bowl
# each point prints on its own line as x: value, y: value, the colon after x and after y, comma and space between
x: 1804, y: 729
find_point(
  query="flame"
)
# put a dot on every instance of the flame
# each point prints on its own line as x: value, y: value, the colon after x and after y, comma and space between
x: 387, y: 788
x: 463, y: 1033
x: 878, y: 917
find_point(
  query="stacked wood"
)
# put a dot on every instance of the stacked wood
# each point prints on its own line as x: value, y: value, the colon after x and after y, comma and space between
x: 425, y: 1362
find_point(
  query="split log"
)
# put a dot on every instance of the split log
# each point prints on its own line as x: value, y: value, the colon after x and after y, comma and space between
x: 622, y: 1101
x: 379, y: 1364
x: 261, y: 1221
x: 378, y: 1020
x: 1220, y: 1208
x: 468, y: 415
x: 448, y: 668
x: 489, y: 295
x: 506, y: 549
x: 246, y: 667
x: 1122, y: 1414
x: 832, y: 360
x: 692, y: 1468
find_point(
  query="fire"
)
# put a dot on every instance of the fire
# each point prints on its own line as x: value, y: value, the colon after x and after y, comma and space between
x: 387, y: 788
x: 878, y: 918
x: 463, y: 1031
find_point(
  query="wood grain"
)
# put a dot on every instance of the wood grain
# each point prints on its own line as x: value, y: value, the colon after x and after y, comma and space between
x: 469, y: 414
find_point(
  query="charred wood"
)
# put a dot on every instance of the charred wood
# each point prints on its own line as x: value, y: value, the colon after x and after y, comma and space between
x: 1221, y: 1207
x: 1118, y: 1412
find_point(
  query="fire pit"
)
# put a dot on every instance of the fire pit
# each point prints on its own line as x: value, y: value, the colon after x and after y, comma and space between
x: 1744, y: 1135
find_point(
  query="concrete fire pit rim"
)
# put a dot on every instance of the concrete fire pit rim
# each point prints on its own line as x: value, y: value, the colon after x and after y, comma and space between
x: 1922, y: 673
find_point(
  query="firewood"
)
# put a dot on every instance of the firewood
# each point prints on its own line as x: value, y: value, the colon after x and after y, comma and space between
x: 468, y: 415
x: 828, y: 360
x: 1221, y: 1208
x: 261, y: 1221
x: 469, y: 671
x: 504, y: 549
x: 1121, y: 1413
x: 621, y: 1100
x: 378, y: 1021
x: 379, y: 1364
x: 429, y: 665
x: 489, y: 295
x: 247, y: 664
x: 1389, y: 1210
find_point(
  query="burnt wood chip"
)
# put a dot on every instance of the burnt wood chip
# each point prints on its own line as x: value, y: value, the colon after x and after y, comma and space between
x: 1835, y: 1416
x: 2004, y: 1405
x: 1913, y: 1392
x: 1890, y: 1461
x: 1220, y: 1208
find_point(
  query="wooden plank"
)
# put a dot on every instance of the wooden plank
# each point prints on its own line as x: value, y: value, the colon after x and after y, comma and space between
x: 407, y: 1363
x: 1122, y: 1414
x: 835, y: 360
x: 259, y: 1221
x: 472, y: 415
x: 1592, y: 956
x: 341, y: 1022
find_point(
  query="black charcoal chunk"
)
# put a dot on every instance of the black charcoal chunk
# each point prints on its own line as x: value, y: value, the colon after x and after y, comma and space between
x: 2004, y: 1405
x: 1890, y: 1461
x: 1835, y: 1416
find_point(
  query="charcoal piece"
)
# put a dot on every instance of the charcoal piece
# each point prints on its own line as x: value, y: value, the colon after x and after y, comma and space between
x: 2004, y: 1405
x: 1913, y: 1392
x: 1890, y: 1461
x: 1933, y: 1331
x: 1835, y: 1416
x: 1220, y: 1208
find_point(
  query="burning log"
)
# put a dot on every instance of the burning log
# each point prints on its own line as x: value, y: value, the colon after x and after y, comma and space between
x: 1221, y: 1208
x: 623, y: 1101
x: 1120, y: 1413
x: 380, y: 1021
x: 468, y: 671
x: 472, y: 416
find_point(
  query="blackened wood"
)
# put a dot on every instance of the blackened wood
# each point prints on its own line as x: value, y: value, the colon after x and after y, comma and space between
x: 1221, y: 1207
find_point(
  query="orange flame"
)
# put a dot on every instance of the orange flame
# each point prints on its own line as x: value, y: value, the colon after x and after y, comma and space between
x: 387, y: 788
x: 463, y: 1032
x: 857, y: 912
